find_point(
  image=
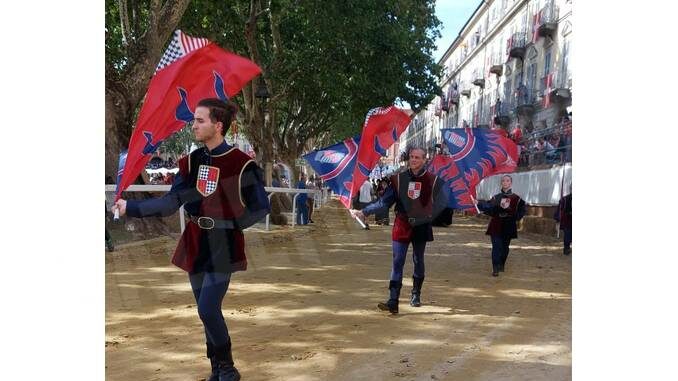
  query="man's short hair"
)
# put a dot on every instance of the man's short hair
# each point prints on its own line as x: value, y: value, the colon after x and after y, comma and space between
x: 220, y: 111
x: 415, y: 148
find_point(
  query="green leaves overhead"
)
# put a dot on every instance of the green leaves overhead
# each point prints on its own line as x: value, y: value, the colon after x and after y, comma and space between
x: 326, y: 63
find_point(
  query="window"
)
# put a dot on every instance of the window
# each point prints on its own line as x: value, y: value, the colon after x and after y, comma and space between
x: 532, y: 76
x: 547, y: 62
x: 564, y: 73
x: 508, y: 91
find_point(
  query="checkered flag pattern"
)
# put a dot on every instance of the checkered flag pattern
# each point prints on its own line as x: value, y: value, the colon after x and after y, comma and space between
x: 181, y: 45
x: 208, y: 176
x: 377, y: 111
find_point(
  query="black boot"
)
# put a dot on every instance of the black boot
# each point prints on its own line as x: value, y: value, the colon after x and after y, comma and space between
x: 416, y: 291
x: 224, y: 359
x: 213, y: 361
x: 391, y: 304
x: 495, y: 270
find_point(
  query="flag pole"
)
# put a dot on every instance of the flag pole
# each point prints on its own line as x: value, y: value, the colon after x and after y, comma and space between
x: 360, y: 222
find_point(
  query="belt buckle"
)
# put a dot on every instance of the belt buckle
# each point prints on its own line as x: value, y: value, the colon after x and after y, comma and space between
x: 411, y: 220
x: 210, y: 221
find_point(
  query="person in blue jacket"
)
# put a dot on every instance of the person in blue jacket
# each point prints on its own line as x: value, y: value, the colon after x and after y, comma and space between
x: 302, y: 207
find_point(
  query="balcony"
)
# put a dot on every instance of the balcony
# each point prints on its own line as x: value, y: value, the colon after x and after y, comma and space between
x: 502, y: 114
x: 478, y: 78
x: 525, y: 99
x: 453, y: 97
x: 517, y: 45
x: 550, y: 88
x: 497, y: 69
x: 548, y: 21
x: 496, y: 66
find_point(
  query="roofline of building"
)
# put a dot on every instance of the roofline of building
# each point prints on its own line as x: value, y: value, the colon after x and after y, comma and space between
x: 461, y: 31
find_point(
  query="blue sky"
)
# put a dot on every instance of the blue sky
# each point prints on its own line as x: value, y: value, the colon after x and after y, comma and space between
x: 453, y: 14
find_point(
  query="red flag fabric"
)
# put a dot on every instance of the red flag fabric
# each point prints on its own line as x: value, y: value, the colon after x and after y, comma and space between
x: 382, y: 128
x: 536, y: 20
x: 547, y: 91
x: 191, y: 69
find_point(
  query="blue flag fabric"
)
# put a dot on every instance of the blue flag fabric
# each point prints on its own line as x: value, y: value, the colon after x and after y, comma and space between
x: 475, y: 153
x: 121, y: 166
x: 335, y: 165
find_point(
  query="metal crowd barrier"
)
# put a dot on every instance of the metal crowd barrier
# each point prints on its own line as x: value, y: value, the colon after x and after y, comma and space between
x: 320, y: 197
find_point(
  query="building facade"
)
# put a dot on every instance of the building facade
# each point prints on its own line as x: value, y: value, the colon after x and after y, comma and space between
x: 508, y: 68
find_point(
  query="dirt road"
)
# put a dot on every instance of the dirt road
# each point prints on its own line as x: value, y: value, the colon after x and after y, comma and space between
x: 306, y: 309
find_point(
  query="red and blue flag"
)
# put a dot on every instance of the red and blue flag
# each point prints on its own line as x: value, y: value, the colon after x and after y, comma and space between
x: 383, y: 126
x: 345, y: 166
x: 475, y: 153
x: 335, y: 164
x: 191, y: 69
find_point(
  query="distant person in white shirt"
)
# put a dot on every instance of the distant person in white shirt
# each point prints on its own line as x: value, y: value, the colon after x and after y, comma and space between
x: 365, y: 193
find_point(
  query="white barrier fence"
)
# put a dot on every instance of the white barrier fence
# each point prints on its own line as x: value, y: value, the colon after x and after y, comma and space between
x: 538, y: 188
x: 320, y: 197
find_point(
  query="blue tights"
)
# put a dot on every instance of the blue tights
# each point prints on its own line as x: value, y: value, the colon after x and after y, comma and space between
x: 209, y: 290
x: 399, y: 254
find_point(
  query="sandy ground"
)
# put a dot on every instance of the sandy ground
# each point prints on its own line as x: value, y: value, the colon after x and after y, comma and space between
x: 306, y: 309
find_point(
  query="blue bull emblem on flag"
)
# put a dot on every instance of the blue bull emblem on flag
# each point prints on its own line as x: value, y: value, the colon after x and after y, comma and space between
x: 184, y: 113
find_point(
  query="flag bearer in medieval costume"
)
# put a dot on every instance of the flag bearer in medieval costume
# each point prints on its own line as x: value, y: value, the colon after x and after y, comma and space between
x: 222, y: 190
x: 419, y: 197
x: 505, y: 210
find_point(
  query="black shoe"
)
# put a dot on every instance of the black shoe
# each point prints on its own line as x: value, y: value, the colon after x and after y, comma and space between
x: 109, y: 246
x: 228, y: 373
x: 213, y: 362
x: 310, y: 221
x: 567, y: 251
x: 390, y: 306
x: 416, y: 291
x: 415, y: 301
x: 225, y: 370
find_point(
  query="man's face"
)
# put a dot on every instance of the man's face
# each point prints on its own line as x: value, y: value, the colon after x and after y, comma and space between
x: 416, y: 161
x: 506, y: 183
x: 203, y: 128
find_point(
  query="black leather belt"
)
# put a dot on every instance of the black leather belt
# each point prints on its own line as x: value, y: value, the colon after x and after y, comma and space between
x: 208, y: 223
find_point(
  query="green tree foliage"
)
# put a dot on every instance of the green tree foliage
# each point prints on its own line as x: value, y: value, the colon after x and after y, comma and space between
x: 325, y: 63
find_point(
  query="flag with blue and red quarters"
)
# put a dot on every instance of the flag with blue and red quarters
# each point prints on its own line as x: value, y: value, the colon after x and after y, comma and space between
x: 475, y: 153
x: 382, y: 128
x: 335, y: 164
x: 346, y: 165
x: 191, y: 69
